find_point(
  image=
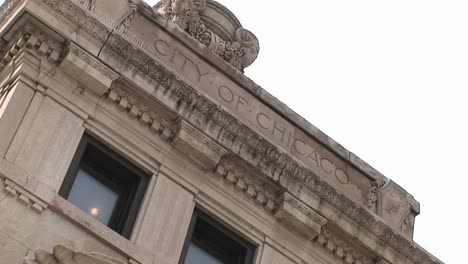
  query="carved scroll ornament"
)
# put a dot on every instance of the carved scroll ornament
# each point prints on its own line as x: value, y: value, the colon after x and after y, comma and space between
x: 240, y: 53
x: 397, y: 207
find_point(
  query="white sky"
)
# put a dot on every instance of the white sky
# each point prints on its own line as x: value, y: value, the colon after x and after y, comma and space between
x: 387, y: 80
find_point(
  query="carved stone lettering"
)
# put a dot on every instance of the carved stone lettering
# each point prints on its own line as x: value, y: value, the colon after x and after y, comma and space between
x: 279, y: 151
x: 253, y: 113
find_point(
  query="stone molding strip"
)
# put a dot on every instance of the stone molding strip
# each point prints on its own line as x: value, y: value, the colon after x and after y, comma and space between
x: 24, y: 196
x: 64, y: 255
x: 362, y: 217
x: 231, y: 133
x: 98, y: 78
x: 241, y: 140
x: 158, y: 125
x: 7, y: 7
x: 33, y: 41
x: 246, y: 186
x: 265, y: 97
x: 299, y: 216
x: 197, y: 146
x: 341, y: 249
x: 70, y: 11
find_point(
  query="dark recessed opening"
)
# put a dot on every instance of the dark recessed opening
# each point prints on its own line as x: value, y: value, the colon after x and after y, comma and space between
x: 105, y: 185
x: 209, y: 242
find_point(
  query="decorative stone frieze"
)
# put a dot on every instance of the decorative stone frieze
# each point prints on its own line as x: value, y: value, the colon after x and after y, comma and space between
x: 342, y: 249
x: 240, y: 52
x: 258, y: 190
x: 241, y: 140
x: 87, y: 69
x: 89, y: 4
x: 372, y: 196
x: 162, y: 127
x: 7, y: 8
x: 299, y: 216
x: 64, y: 255
x: 124, y: 22
x: 36, y: 41
x: 197, y: 146
x: 24, y: 196
x: 79, y: 13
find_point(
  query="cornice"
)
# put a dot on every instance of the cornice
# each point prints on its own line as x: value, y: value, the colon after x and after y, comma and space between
x: 36, y: 41
x: 227, y: 131
x: 299, y: 216
x: 157, y: 124
x: 261, y: 94
x: 342, y: 249
x: 7, y: 7
x: 258, y: 152
x: 99, y: 28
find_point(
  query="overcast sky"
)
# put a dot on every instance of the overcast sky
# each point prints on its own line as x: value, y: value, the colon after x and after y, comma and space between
x: 387, y: 80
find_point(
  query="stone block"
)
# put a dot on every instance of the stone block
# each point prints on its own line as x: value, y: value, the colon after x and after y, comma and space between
x: 88, y: 70
x: 397, y: 208
x: 299, y: 216
x: 198, y: 147
x: 12, y: 111
x: 166, y: 220
x: 50, y: 144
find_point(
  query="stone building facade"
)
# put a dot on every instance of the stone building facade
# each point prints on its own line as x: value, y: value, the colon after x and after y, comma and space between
x: 129, y: 134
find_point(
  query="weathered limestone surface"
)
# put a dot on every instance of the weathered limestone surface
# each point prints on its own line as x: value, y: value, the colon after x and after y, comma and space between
x: 13, y: 108
x: 274, y: 257
x: 164, y: 87
x: 12, y: 251
x: 167, y: 220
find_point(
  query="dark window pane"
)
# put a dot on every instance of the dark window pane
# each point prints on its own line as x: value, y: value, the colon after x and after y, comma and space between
x: 209, y: 242
x: 105, y: 185
x: 93, y: 197
x: 196, y: 255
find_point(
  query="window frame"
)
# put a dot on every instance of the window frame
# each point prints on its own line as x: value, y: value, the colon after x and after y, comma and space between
x: 130, y: 197
x: 214, y: 223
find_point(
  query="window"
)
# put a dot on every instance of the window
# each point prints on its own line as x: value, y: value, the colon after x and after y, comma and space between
x: 105, y: 185
x: 209, y: 242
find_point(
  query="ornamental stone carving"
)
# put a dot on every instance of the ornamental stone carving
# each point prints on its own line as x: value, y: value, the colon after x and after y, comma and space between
x: 372, y: 196
x: 36, y: 41
x: 345, y: 250
x: 88, y: 70
x: 25, y: 197
x: 64, y: 255
x: 239, y: 47
x: 223, y: 128
x: 245, y: 181
x: 397, y: 207
x: 299, y: 216
x: 198, y: 147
